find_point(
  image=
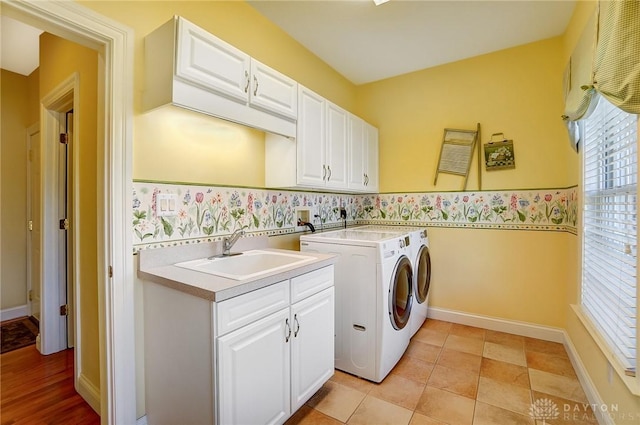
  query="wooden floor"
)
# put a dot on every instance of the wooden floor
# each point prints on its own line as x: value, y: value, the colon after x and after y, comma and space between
x: 37, y: 389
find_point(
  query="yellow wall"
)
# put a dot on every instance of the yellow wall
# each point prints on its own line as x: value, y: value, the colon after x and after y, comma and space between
x: 208, y: 150
x: 59, y: 59
x: 517, y: 91
x: 15, y: 120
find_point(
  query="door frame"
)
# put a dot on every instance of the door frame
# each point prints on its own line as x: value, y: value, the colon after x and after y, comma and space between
x: 31, y: 131
x: 114, y: 43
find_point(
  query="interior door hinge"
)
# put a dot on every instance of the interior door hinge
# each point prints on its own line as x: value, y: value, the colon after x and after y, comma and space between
x: 30, y: 225
x: 30, y: 155
x: 64, y: 310
x: 110, y: 271
x: 64, y: 138
x: 64, y: 224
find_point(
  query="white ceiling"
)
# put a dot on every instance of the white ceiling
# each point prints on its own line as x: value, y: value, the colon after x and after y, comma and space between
x: 366, y: 43
x: 19, y: 49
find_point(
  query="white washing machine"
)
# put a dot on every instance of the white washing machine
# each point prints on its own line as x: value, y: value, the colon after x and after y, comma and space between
x: 421, y: 263
x: 373, y: 298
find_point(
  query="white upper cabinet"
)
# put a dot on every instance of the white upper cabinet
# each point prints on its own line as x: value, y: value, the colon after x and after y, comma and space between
x: 273, y: 91
x: 310, y: 143
x: 204, y: 59
x: 189, y: 67
x: 336, y: 147
x: 363, y: 154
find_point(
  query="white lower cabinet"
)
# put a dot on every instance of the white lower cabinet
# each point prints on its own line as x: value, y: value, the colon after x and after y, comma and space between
x: 268, y: 369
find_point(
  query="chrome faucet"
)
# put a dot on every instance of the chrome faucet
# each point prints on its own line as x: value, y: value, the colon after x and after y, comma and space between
x: 227, y: 243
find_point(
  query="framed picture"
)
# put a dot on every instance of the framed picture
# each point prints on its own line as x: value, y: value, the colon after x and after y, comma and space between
x: 499, y: 155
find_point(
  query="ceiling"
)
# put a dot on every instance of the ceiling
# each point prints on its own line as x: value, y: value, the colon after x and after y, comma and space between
x: 366, y: 43
x: 19, y: 48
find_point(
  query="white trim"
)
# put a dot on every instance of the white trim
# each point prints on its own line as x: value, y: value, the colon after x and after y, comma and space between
x: 14, y: 312
x: 587, y: 384
x: 89, y: 392
x: 142, y: 420
x: 32, y: 130
x: 531, y: 330
x: 114, y: 43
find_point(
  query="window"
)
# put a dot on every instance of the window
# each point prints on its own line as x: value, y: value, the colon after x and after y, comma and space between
x: 610, y: 232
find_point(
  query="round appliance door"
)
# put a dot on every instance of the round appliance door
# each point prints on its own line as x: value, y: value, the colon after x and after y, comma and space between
x: 400, y: 293
x: 423, y: 274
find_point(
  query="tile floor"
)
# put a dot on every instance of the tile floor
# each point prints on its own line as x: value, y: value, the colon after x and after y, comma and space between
x: 455, y: 374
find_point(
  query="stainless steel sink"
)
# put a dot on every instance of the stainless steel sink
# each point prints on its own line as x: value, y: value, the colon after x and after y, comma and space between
x: 247, y: 265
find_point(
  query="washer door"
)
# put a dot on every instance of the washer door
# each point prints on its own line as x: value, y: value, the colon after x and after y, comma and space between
x: 423, y: 274
x: 401, y: 293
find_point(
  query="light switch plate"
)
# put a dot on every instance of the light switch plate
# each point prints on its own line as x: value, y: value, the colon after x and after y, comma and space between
x: 166, y: 204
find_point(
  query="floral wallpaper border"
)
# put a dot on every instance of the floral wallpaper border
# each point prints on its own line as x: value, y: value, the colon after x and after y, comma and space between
x: 208, y: 213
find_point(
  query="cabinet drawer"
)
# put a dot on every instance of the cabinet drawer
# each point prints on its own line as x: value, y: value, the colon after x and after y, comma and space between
x: 244, y: 309
x: 310, y: 283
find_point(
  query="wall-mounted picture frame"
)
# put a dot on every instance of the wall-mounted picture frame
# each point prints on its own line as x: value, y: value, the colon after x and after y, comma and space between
x: 499, y: 154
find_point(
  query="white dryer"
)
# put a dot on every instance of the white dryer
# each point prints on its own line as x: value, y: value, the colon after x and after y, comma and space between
x: 373, y: 298
x: 421, y: 262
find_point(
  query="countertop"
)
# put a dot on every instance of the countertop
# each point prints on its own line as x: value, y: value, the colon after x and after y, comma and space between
x: 157, y: 265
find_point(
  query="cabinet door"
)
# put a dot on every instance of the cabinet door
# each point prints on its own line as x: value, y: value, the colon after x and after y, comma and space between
x: 273, y: 91
x: 372, y: 173
x: 312, y: 345
x: 357, y: 153
x: 213, y: 64
x: 337, y: 130
x: 311, y: 164
x: 254, y: 372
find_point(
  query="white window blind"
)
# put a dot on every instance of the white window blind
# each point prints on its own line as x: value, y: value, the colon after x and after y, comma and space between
x: 610, y: 232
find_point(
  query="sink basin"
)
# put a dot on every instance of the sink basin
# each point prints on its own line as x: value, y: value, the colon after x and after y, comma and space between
x: 247, y: 265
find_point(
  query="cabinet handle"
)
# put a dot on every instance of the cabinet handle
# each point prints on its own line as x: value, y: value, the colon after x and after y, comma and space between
x: 295, y: 319
x: 329, y: 168
x: 366, y: 179
x: 324, y: 172
x: 246, y: 75
x: 286, y: 323
x: 255, y: 90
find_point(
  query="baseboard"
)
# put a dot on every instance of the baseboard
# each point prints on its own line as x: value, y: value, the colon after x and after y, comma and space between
x: 89, y: 392
x: 142, y: 420
x: 14, y: 312
x: 532, y: 330
x: 588, y: 386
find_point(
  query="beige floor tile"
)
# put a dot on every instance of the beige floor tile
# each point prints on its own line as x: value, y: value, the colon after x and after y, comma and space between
x: 546, y: 347
x: 447, y: 407
x: 504, y: 353
x: 399, y: 390
x: 506, y: 396
x: 375, y: 411
x: 423, y: 351
x: 467, y: 331
x: 308, y: 416
x: 420, y: 419
x: 352, y: 381
x: 486, y: 414
x: 413, y: 368
x: 569, y: 411
x: 559, y: 365
x: 457, y: 381
x: 429, y: 336
x: 437, y: 325
x: 505, y: 372
x: 464, y: 344
x: 560, y: 386
x: 337, y: 401
x: 502, y: 338
x: 458, y: 360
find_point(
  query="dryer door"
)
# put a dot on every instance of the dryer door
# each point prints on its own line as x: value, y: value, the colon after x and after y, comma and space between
x: 423, y: 274
x: 401, y: 293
